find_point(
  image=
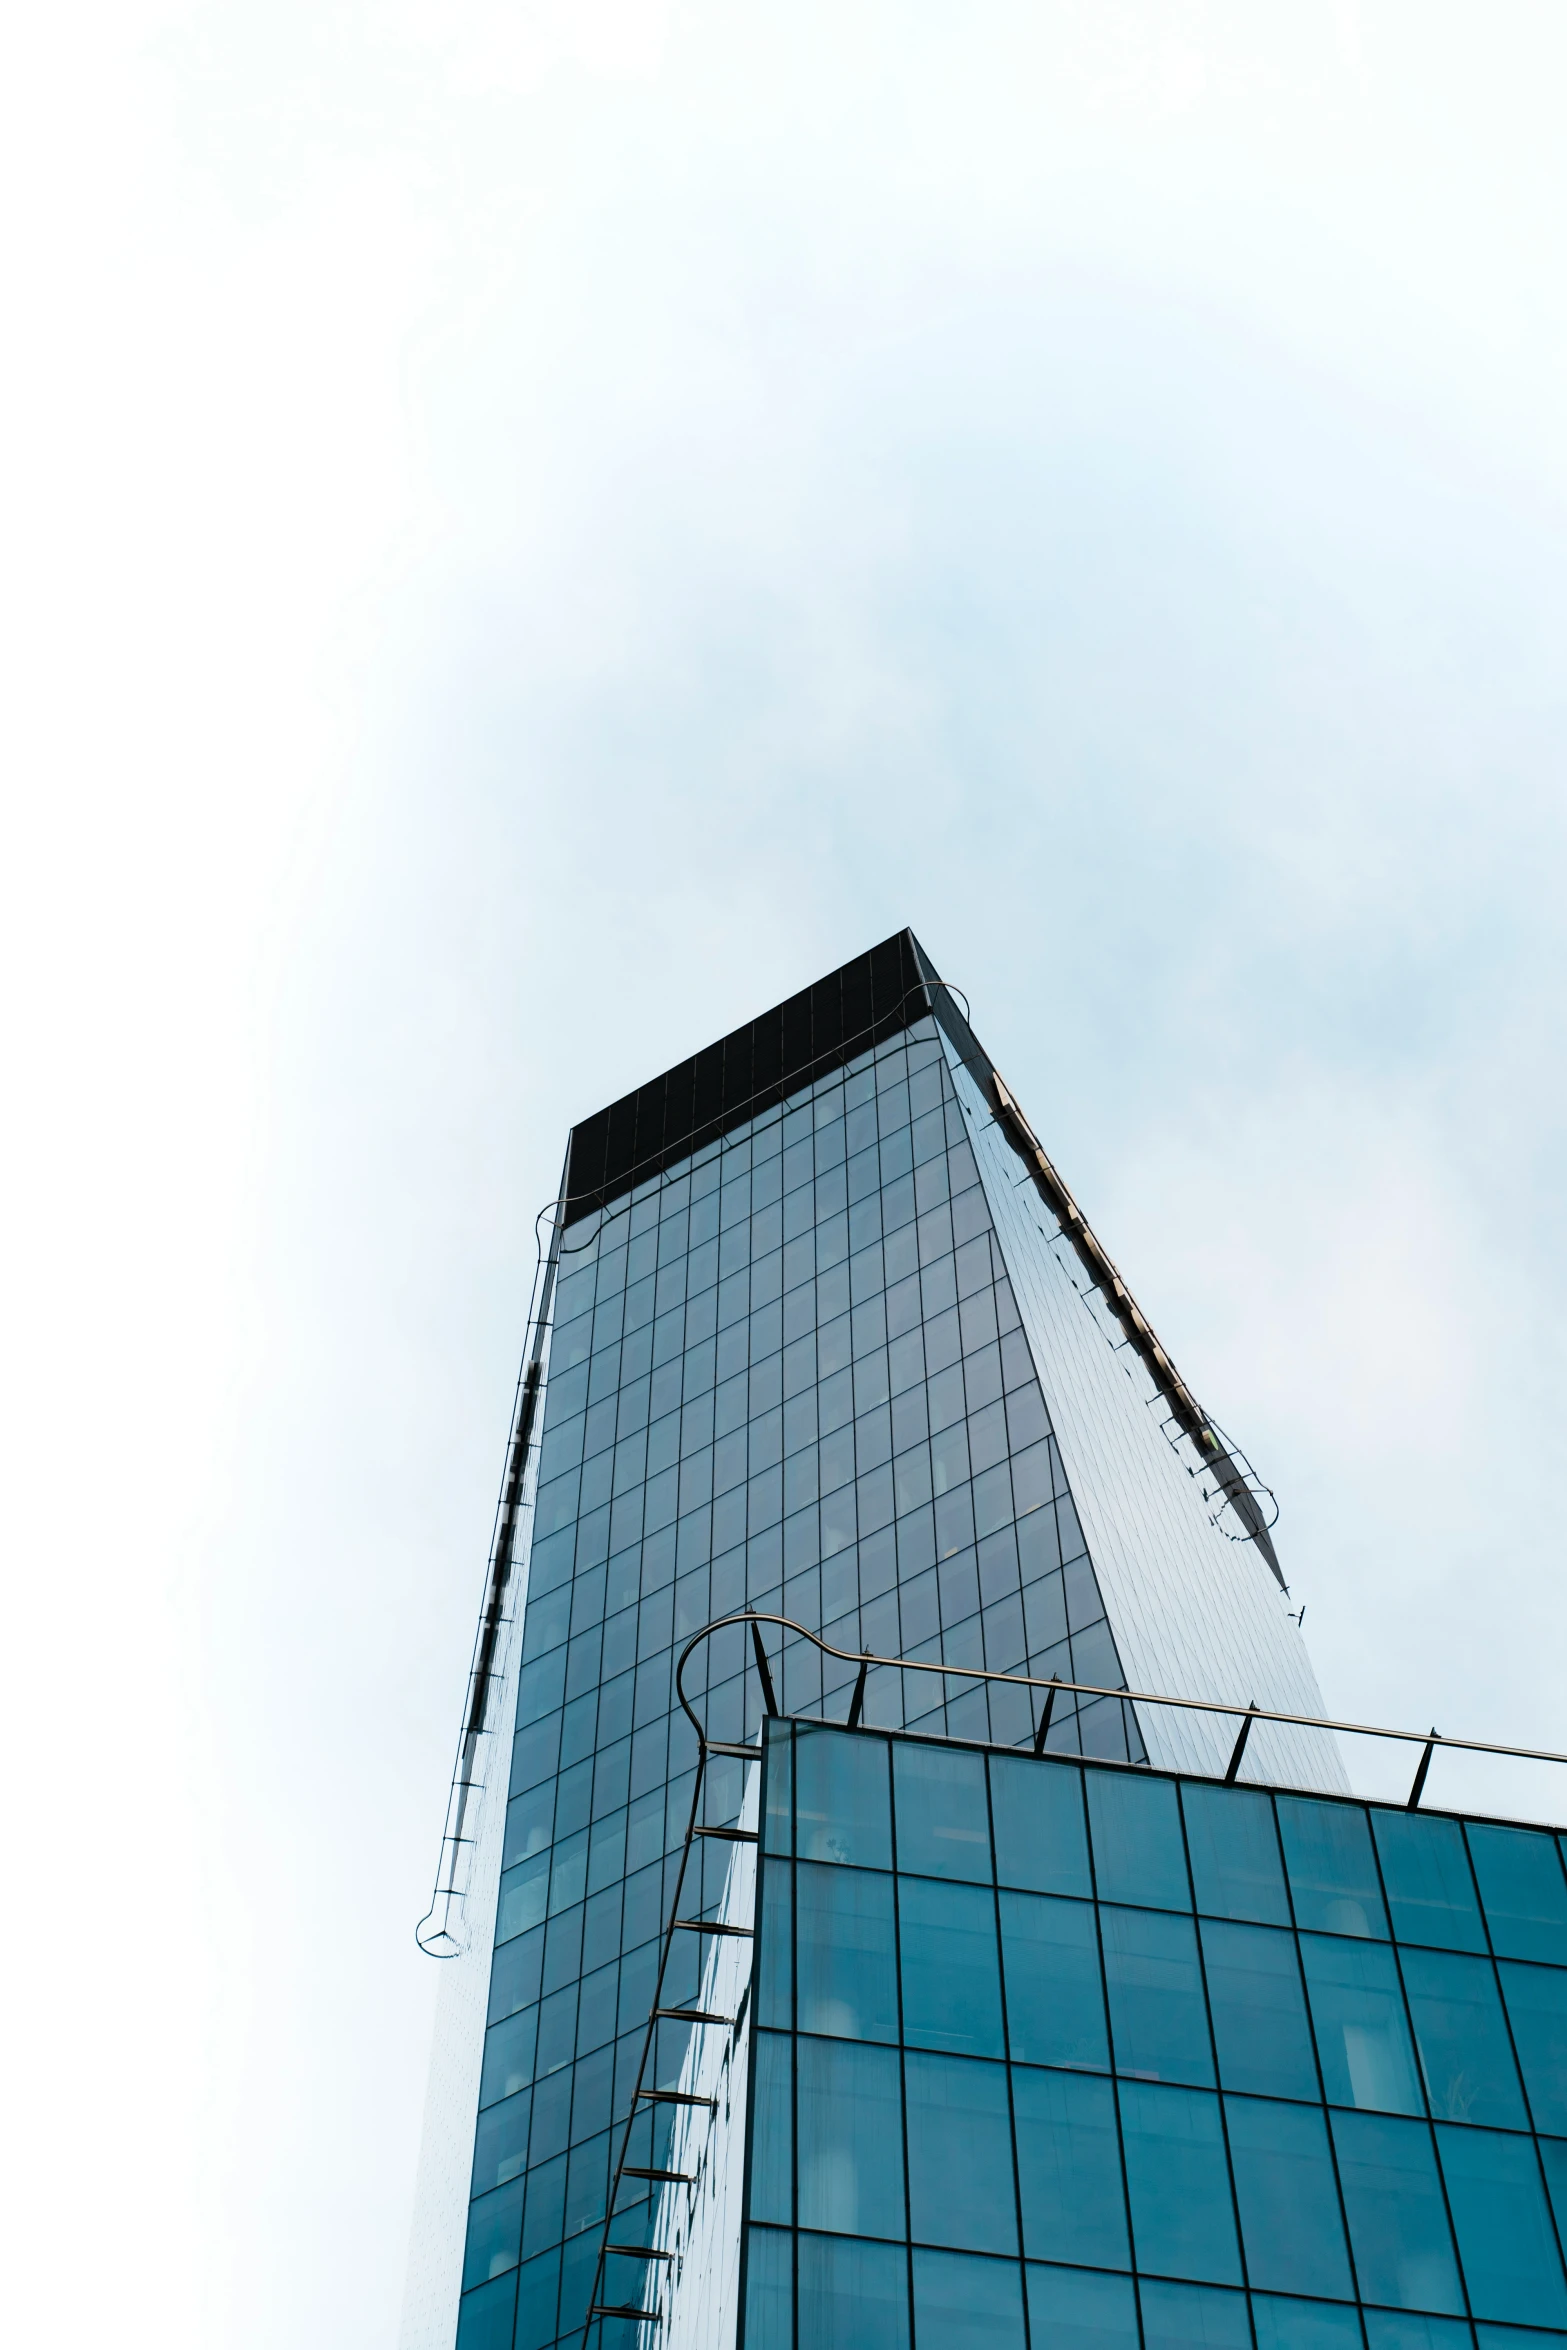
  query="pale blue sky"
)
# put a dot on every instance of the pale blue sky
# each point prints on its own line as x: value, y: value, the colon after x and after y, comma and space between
x: 539, y: 531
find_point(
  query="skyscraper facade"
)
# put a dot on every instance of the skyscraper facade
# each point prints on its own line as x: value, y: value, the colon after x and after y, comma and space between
x: 822, y: 1335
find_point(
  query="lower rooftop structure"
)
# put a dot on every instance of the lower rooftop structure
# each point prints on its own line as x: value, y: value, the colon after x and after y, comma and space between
x: 1025, y: 2051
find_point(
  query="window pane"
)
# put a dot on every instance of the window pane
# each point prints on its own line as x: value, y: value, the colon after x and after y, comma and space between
x: 851, y: 2141
x: 1041, y: 1840
x: 1193, y: 2317
x: 772, y: 2130
x: 775, y: 1968
x: 1080, y: 2309
x: 962, y: 2304
x: 1290, y: 2222
x: 1138, y: 1853
x: 1362, y: 2038
x: 848, y: 1982
x: 1524, y: 1892
x: 951, y: 1975
x: 1178, y: 2180
x: 1387, y: 2331
x: 853, y: 2295
x: 1537, y: 2006
x: 1259, y: 2010
x: 943, y: 1820
x: 1069, y: 2168
x: 1462, y: 2039
x: 840, y: 1798
x: 1303, y: 2325
x: 486, y: 2318
x: 1429, y: 1889
x: 1158, y: 2018
x: 1397, y: 2221
x: 1505, y: 2238
x: 960, y: 2154
x: 1055, y: 2001
x: 1333, y: 1876
x: 1236, y: 1868
x: 769, y: 2289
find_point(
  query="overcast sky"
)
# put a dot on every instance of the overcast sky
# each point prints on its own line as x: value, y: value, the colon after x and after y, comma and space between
x: 535, y: 530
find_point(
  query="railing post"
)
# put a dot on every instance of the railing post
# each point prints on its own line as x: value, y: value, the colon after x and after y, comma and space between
x: 857, y: 1701
x: 1239, y: 1747
x: 1043, y: 1731
x: 1423, y: 1766
x: 769, y: 1699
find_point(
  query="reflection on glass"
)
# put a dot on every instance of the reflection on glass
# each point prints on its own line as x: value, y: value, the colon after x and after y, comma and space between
x: 1158, y: 2017
x: 1357, y: 2009
x: 1397, y: 2219
x: 960, y: 2154
x: 951, y: 1978
x: 943, y: 1816
x: 1503, y: 2224
x: 1041, y: 1839
x: 1139, y: 1856
x: 851, y: 2152
x: 966, y: 2304
x: 1069, y: 2168
x: 1465, y: 2055
x: 1429, y: 1888
x: 853, y: 2295
x: 848, y: 1979
x: 1178, y: 2180
x: 1236, y: 1868
x: 1284, y: 2184
x: 1055, y: 1999
x: 1524, y: 1891
x: 1259, y: 2010
x: 1332, y: 1871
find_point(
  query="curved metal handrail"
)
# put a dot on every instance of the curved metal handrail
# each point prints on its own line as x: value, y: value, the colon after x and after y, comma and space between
x: 1054, y: 1685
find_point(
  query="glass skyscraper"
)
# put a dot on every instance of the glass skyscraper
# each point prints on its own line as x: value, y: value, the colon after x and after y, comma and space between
x: 1002, y: 2016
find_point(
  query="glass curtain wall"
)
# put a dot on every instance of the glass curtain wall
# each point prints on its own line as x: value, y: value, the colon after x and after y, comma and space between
x: 788, y: 1373
x: 1057, y: 2054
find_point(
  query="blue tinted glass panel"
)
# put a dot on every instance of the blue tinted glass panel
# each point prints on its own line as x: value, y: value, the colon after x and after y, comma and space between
x: 1069, y: 2168
x: 769, y: 2289
x: 494, y: 2235
x: 851, y: 2139
x: 1237, y: 1871
x: 1429, y: 1888
x: 1537, y: 2008
x: 840, y: 1799
x: 1259, y: 2010
x: 960, y: 2154
x: 1506, y: 2241
x: 1303, y: 2325
x: 853, y: 2295
x: 1553, y: 2153
x: 1357, y: 2009
x: 1332, y: 1870
x: 775, y: 1982
x: 1465, y: 2055
x: 485, y: 2319
x: 772, y: 2131
x: 963, y: 2304
x: 1041, y: 1837
x: 1158, y: 2017
x: 943, y: 1817
x: 1182, y: 2220
x: 1284, y: 2184
x: 1136, y: 1828
x: 1398, y: 2229
x: 1524, y: 1892
x: 951, y: 1975
x: 1055, y: 2000
x: 538, y: 2292
x: 1387, y: 2329
x: 779, y: 1800
x: 848, y: 1975
x: 1081, y: 2309
x: 1193, y: 2317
